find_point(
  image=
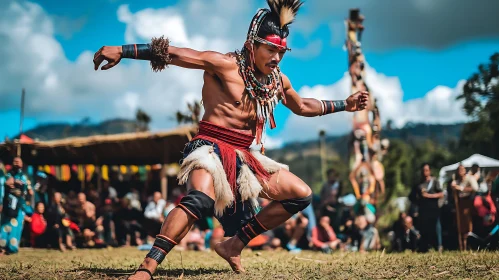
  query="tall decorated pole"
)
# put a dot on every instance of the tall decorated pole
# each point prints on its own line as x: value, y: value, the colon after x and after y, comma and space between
x: 367, y: 149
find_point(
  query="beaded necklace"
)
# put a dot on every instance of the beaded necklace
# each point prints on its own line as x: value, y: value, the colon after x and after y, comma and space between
x: 266, y: 96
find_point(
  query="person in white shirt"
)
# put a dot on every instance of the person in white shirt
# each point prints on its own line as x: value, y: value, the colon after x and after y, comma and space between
x: 154, y: 209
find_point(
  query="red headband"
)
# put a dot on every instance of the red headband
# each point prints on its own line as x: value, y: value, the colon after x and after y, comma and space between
x: 277, y: 40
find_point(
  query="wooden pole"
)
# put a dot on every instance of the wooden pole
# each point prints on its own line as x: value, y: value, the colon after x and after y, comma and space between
x: 21, y: 123
x: 322, y: 151
x: 458, y: 220
x: 164, y: 181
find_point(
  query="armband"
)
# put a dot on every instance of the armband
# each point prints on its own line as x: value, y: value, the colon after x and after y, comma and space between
x: 329, y: 106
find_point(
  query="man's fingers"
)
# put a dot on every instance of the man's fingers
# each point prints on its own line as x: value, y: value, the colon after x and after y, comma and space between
x: 98, y: 61
x: 108, y: 65
x: 97, y: 53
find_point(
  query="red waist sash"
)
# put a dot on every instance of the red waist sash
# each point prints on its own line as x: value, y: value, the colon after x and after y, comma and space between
x: 228, y: 141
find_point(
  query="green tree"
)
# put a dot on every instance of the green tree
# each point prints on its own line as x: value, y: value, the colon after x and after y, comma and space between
x: 481, y: 103
x: 143, y: 120
x: 192, y: 116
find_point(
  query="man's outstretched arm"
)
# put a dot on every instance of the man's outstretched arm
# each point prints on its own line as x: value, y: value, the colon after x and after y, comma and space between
x: 311, y: 107
x: 161, y: 54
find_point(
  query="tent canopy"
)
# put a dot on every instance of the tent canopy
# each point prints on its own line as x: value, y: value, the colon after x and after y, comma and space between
x: 142, y: 148
x: 482, y: 161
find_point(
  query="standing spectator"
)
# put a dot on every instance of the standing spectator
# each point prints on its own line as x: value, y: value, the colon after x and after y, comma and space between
x: 39, y: 226
x: 12, y: 218
x: 429, y: 192
x: 41, y: 189
x: 464, y: 186
x: 330, y: 192
x: 324, y: 237
x: 2, y: 189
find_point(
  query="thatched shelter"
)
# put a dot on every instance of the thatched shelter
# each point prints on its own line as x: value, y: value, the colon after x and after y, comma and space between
x: 141, y: 148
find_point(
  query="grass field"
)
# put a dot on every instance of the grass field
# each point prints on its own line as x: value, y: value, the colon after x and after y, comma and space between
x: 115, y: 263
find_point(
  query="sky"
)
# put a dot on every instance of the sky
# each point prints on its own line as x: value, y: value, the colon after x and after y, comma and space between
x: 419, y: 54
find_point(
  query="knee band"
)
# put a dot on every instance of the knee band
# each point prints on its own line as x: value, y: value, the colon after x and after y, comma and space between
x: 162, y: 246
x: 296, y: 205
x: 197, y: 204
x: 251, y: 230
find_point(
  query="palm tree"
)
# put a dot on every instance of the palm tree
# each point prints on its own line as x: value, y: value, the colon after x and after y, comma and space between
x: 143, y: 120
x: 193, y: 114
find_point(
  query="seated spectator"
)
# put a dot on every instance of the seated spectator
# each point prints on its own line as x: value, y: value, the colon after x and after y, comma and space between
x: 87, y: 220
x: 134, y: 197
x: 154, y: 213
x: 38, y: 226
x: 128, y: 224
x: 58, y: 224
x: 410, y: 236
x: 369, y: 237
x: 323, y: 236
x: 293, y: 233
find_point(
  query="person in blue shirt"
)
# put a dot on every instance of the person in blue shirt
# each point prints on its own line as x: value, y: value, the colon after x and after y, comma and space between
x: 41, y: 189
x: 14, y: 208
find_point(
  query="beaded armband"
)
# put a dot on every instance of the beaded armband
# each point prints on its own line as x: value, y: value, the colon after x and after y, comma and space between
x: 333, y: 106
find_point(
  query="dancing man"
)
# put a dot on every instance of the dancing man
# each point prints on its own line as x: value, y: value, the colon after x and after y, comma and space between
x: 240, y: 92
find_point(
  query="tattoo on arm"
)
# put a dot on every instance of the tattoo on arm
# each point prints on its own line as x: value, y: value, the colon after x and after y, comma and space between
x: 333, y: 106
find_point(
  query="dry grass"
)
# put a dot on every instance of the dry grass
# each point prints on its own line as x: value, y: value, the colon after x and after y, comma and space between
x: 116, y: 263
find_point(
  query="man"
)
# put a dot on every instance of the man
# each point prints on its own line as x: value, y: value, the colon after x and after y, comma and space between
x: 14, y: 208
x: 41, y: 189
x: 154, y: 212
x: 330, y: 193
x: 240, y: 92
x: 429, y: 192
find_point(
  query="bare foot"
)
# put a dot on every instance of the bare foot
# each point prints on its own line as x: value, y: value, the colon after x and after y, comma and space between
x: 149, y: 265
x: 230, y: 250
x: 140, y: 275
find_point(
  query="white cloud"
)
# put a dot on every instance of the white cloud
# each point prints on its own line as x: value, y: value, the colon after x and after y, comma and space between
x: 59, y: 89
x: 437, y: 106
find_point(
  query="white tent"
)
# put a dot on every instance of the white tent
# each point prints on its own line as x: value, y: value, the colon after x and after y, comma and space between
x: 482, y: 161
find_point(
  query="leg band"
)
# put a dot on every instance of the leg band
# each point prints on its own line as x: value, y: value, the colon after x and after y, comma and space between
x: 197, y: 204
x: 295, y: 205
x: 251, y: 230
x: 162, y: 246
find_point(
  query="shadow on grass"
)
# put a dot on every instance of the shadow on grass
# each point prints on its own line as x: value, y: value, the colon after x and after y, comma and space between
x: 174, y: 272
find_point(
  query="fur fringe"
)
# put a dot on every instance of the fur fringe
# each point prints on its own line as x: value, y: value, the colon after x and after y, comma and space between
x: 160, y: 56
x: 249, y: 186
x: 269, y: 164
x: 205, y: 157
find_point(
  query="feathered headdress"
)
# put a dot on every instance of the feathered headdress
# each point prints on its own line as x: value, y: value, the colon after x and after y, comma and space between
x: 285, y: 10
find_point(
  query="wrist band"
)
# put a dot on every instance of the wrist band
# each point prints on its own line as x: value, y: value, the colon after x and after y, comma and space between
x: 330, y: 106
x: 137, y: 51
x: 339, y: 105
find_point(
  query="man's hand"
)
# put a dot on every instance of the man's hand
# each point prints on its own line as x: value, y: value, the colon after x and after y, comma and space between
x: 110, y: 54
x: 357, y: 101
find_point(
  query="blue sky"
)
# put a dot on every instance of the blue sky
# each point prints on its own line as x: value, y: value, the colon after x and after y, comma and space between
x: 411, y: 65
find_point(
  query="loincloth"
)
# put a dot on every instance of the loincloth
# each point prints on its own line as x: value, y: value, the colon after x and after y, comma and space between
x: 237, y: 171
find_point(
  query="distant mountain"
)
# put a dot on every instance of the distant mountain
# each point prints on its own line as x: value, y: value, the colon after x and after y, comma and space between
x: 53, y: 131
x: 411, y: 132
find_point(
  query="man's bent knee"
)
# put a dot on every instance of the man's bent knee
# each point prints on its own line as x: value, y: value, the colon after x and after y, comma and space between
x: 296, y: 205
x: 197, y: 204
